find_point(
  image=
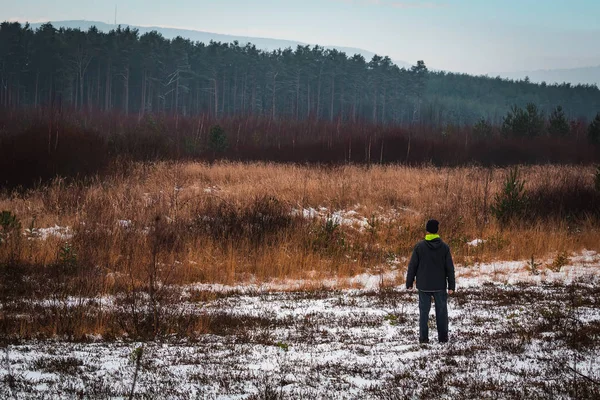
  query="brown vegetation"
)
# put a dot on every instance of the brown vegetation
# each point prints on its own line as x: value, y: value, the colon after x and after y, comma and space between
x: 157, y: 223
x: 133, y: 236
x: 39, y: 145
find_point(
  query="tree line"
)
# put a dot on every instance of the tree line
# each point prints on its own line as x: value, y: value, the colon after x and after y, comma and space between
x: 138, y: 74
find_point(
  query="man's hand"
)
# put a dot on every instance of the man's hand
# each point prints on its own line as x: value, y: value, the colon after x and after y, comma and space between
x: 450, y: 291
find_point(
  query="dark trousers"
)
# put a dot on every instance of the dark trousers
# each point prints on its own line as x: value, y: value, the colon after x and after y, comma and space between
x: 441, y: 314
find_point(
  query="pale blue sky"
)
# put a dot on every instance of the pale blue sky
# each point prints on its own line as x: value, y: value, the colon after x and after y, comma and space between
x: 474, y: 36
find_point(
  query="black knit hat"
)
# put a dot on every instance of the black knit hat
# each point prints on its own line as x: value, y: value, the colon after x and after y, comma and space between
x: 432, y: 226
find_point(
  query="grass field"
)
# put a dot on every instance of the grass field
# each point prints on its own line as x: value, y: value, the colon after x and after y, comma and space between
x: 269, y: 281
x: 231, y: 222
x: 507, y: 341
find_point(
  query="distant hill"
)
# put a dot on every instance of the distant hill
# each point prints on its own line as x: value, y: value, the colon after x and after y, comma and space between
x: 587, y: 75
x: 201, y: 36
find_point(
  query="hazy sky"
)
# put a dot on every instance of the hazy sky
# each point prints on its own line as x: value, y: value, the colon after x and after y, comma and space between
x: 474, y: 36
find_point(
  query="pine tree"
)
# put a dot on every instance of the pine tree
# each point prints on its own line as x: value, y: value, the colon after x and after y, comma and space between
x: 217, y: 139
x: 482, y: 128
x: 515, y: 122
x: 528, y: 122
x: 535, y: 120
x: 559, y: 126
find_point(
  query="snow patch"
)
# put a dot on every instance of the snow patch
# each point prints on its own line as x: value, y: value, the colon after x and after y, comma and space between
x: 125, y: 223
x: 476, y: 242
x: 338, y: 217
x: 61, y: 232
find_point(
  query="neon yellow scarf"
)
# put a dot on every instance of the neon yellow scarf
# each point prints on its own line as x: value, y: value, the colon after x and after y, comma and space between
x: 431, y: 236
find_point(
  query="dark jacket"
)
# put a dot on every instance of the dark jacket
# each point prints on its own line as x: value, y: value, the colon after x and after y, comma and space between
x: 431, y: 263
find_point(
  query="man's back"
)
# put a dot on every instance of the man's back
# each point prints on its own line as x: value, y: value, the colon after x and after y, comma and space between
x: 431, y: 264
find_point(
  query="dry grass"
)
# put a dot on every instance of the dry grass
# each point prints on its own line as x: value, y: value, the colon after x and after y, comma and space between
x: 231, y: 222
x: 148, y: 227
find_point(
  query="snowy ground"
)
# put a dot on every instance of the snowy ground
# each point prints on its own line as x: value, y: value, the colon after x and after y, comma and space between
x: 507, y: 341
x: 515, y: 333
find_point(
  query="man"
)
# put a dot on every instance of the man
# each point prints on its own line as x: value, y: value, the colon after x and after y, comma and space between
x: 431, y: 263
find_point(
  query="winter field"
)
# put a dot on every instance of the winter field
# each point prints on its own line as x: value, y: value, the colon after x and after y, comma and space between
x: 261, y: 281
x: 536, y: 337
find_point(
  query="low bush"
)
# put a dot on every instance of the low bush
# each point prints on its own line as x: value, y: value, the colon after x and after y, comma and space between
x: 261, y: 219
x: 569, y: 198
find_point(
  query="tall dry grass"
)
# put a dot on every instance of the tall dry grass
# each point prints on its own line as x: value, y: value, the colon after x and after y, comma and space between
x: 151, y: 224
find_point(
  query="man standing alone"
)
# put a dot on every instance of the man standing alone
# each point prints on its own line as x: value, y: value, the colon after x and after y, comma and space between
x: 431, y: 263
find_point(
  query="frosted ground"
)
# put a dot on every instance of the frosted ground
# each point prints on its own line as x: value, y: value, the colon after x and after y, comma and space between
x: 513, y: 335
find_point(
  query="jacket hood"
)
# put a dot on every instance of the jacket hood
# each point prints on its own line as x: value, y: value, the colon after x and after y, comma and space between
x: 434, y: 243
